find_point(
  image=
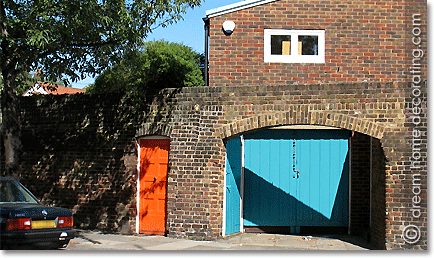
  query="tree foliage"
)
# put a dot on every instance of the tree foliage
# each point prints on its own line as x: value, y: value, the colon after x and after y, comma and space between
x: 69, y: 40
x: 77, y: 38
x: 23, y: 82
x: 158, y: 65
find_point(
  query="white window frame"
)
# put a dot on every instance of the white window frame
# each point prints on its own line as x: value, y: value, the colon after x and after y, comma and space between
x: 294, y: 57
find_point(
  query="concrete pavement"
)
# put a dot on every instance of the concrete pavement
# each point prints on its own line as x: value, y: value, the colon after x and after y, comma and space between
x: 96, y: 241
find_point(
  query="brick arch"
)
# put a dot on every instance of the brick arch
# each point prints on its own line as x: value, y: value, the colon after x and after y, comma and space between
x: 324, y: 118
x: 149, y: 129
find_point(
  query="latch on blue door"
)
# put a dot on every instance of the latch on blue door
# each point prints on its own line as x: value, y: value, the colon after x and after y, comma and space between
x: 294, y: 161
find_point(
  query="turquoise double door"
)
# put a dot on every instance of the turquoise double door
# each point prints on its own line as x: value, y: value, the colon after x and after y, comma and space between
x: 290, y: 178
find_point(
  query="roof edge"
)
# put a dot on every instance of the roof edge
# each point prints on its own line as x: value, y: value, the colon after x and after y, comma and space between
x: 236, y: 7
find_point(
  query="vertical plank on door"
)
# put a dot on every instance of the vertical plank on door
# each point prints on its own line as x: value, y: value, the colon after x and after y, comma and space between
x: 233, y: 185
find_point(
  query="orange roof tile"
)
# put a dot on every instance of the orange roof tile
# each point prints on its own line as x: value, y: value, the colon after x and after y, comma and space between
x: 53, y: 89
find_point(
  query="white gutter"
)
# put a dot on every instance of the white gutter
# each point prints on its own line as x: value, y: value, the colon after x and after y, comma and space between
x: 236, y: 7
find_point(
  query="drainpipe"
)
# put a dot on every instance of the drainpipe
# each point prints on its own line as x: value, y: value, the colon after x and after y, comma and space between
x: 206, y: 21
x: 370, y: 189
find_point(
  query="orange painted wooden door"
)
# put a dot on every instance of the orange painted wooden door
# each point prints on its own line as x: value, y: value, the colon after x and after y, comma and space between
x: 154, y: 157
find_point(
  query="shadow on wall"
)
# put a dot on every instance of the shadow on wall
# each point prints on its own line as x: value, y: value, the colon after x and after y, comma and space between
x: 378, y: 227
x: 79, y: 152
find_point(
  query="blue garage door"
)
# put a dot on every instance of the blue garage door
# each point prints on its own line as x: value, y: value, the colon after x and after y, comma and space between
x: 233, y: 185
x: 296, y: 178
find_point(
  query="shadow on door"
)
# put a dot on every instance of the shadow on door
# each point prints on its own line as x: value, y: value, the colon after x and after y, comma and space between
x: 273, y: 210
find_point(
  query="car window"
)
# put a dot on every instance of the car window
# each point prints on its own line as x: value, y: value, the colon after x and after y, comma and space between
x: 11, y: 192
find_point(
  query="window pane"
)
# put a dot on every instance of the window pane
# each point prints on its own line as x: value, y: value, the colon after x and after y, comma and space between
x: 280, y: 44
x: 309, y: 45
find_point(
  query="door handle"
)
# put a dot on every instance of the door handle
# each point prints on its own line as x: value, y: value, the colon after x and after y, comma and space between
x: 297, y: 173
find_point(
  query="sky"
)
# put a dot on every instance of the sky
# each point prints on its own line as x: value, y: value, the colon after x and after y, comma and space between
x: 189, y: 31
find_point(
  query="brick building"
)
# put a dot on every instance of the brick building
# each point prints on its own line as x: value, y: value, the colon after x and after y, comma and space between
x: 306, y: 43
x: 201, y: 162
x: 356, y: 41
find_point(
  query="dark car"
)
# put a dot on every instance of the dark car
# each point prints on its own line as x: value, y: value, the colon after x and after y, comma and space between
x: 26, y: 223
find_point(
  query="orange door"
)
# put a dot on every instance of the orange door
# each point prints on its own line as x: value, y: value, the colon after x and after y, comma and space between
x: 154, y: 157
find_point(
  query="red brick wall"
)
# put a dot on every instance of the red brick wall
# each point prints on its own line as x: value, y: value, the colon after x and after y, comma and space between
x: 80, y: 152
x: 364, y: 40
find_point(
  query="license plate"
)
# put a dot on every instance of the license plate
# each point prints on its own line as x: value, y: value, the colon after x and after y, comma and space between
x: 43, y: 224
